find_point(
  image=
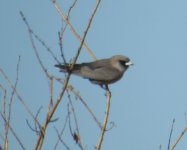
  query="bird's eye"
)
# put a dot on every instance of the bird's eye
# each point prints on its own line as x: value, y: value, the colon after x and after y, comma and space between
x: 122, y: 62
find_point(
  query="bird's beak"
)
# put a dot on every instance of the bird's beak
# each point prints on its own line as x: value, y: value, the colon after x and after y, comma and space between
x: 129, y: 63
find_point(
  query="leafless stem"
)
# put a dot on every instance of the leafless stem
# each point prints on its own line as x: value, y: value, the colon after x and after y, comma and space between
x: 19, y: 97
x: 76, y: 122
x: 171, y: 134
x: 35, y: 129
x: 14, y: 134
x: 65, y: 18
x: 85, y: 105
x: 61, y: 133
x: 61, y: 140
x: 51, y: 93
x: 31, y: 32
x: 60, y: 36
x: 5, y: 139
x: 10, y: 103
x: 71, y: 7
x: 108, y: 94
x: 179, y: 138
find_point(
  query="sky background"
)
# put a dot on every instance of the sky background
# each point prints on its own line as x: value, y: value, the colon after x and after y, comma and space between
x: 153, y: 34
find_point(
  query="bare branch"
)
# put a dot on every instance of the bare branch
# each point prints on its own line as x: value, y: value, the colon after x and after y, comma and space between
x: 5, y: 139
x: 75, y: 135
x: 65, y: 18
x: 85, y: 105
x: 179, y: 138
x: 61, y: 133
x: 11, y: 100
x: 61, y: 140
x: 51, y: 93
x: 70, y: 8
x: 35, y: 129
x: 19, y: 97
x: 171, y: 134
x: 108, y: 94
x: 31, y: 32
x: 52, y: 110
x: 13, y: 132
x: 60, y: 36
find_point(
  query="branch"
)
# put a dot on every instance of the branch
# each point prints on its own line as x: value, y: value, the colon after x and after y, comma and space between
x: 19, y: 97
x: 108, y: 94
x: 65, y: 18
x: 179, y: 138
x: 31, y: 32
x: 76, y: 123
x: 14, y: 134
x: 11, y: 100
x: 171, y: 134
x: 61, y: 133
x: 61, y: 140
x: 85, y: 105
x: 50, y: 113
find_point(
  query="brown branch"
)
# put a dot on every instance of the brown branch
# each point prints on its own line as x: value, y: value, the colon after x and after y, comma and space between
x: 5, y: 139
x: 85, y: 105
x: 65, y: 18
x: 13, y: 132
x: 179, y: 138
x: 49, y: 115
x: 40, y: 139
x: 19, y: 96
x: 11, y: 100
x: 51, y: 93
x: 101, y: 136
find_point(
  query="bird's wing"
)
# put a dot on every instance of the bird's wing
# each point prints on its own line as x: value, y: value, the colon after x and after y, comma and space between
x: 105, y: 74
x: 96, y: 64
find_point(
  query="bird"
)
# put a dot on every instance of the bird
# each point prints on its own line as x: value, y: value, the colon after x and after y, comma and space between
x: 101, y: 72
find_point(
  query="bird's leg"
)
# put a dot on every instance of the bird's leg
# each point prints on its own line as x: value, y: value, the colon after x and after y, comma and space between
x: 104, y: 86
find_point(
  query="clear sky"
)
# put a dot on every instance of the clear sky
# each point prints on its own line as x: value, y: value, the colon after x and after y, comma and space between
x: 144, y: 102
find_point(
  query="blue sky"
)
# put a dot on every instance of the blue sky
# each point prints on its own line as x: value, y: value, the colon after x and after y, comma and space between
x: 144, y: 102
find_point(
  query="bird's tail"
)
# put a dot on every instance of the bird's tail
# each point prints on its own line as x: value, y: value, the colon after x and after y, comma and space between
x: 66, y: 68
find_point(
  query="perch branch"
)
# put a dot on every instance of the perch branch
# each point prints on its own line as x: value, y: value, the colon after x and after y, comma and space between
x: 108, y: 94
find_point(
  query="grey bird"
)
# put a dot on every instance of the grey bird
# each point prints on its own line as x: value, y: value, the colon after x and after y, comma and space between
x: 101, y: 72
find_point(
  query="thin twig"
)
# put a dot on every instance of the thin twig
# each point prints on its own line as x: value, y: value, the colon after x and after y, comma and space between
x: 60, y: 36
x: 35, y: 129
x: 51, y: 93
x: 60, y: 139
x: 63, y: 29
x: 13, y: 132
x: 72, y: 29
x: 49, y: 115
x: 101, y: 136
x: 171, y: 133
x: 11, y: 100
x: 71, y: 8
x: 76, y: 122
x: 61, y: 133
x: 85, y: 105
x: 19, y: 97
x: 179, y: 138
x: 5, y: 138
x: 38, y: 38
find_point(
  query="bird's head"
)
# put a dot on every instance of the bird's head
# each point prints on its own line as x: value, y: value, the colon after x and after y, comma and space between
x: 121, y: 62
